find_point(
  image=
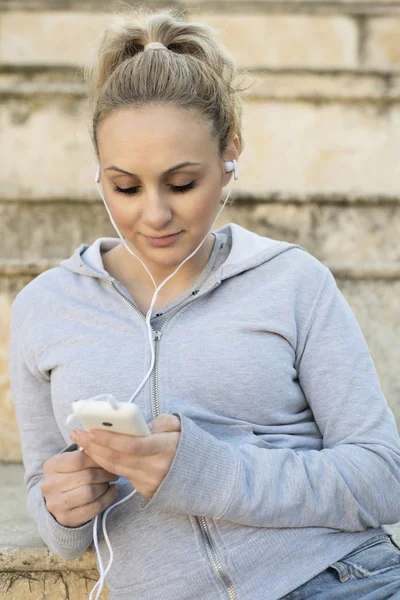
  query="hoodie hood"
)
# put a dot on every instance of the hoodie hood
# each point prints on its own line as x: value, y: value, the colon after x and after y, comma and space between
x: 248, y: 250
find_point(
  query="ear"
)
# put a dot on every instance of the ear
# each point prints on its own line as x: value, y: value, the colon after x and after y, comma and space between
x: 232, y: 152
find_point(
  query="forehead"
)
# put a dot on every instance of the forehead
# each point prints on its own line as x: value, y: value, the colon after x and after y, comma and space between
x: 152, y: 131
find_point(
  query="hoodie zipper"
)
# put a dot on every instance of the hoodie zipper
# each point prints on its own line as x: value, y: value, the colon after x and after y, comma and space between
x: 205, y: 532
x: 127, y: 299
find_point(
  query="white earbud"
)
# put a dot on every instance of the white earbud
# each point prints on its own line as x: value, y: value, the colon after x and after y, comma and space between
x: 231, y: 165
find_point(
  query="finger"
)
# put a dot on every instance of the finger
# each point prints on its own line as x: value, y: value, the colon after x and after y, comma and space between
x: 71, y: 481
x: 114, y: 447
x: 112, y: 460
x: 129, y: 444
x: 60, y: 503
x: 70, y: 462
x: 83, y: 514
x: 112, y: 440
x: 90, y: 510
x: 84, y: 494
x: 165, y: 422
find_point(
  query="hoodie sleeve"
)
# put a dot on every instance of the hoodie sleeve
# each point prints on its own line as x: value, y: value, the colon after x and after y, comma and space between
x: 353, y: 483
x: 40, y: 439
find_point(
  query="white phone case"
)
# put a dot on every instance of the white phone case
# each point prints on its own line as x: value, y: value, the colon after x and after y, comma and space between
x: 104, y: 412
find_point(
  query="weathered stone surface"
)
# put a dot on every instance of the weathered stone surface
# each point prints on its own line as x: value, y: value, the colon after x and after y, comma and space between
x: 319, y: 86
x: 9, y: 439
x: 298, y: 147
x: 34, y: 231
x: 290, y: 147
x: 9, y: 436
x: 332, y: 233
x: 277, y: 40
x: 288, y: 40
x: 351, y: 7
x: 359, y: 234
x: 60, y: 585
x: 382, y: 47
x: 46, y: 37
x: 46, y: 230
x: 48, y: 146
x: 394, y: 88
x: 376, y: 307
x: 273, y: 84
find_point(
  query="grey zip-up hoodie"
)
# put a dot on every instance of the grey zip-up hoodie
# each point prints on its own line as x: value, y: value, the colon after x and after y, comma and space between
x: 289, y: 456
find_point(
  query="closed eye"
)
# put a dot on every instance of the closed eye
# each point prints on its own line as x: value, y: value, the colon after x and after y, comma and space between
x: 177, y: 189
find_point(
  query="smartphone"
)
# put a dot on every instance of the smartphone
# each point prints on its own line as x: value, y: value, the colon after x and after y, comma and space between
x: 104, y: 412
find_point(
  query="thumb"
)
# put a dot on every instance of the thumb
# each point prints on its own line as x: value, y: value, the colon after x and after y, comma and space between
x: 165, y: 422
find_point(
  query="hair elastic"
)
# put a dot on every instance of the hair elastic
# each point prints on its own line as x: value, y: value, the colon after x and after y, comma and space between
x: 155, y: 46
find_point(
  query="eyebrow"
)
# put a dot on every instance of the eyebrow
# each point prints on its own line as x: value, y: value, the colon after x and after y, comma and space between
x: 180, y: 166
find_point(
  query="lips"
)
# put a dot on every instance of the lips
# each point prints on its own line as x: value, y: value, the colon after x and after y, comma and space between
x: 160, y: 237
x: 164, y: 240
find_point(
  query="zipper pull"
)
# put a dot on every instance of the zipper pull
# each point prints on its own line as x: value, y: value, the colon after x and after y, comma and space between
x: 156, y: 336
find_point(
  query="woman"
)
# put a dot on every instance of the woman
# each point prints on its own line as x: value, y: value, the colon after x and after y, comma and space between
x: 274, y: 458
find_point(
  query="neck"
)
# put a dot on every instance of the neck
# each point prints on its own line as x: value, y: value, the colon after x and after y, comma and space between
x: 185, y: 275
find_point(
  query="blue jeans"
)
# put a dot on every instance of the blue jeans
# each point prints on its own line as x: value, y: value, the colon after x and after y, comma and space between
x: 370, y: 572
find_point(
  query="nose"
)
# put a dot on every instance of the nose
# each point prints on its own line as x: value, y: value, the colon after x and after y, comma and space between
x: 156, y: 212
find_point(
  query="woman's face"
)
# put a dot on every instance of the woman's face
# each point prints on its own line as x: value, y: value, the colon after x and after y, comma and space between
x: 173, y: 181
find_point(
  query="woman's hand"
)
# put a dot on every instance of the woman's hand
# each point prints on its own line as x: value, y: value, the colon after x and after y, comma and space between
x: 143, y: 460
x: 76, y: 488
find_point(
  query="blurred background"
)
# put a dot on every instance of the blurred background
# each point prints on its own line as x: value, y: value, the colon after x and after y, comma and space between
x: 320, y: 167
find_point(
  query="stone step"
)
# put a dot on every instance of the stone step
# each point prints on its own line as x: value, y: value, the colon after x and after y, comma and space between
x: 293, y: 147
x: 24, y: 271
x: 28, y: 569
x: 333, y: 232
x: 261, y: 34
x: 372, y: 86
x: 372, y: 291
x: 357, y: 8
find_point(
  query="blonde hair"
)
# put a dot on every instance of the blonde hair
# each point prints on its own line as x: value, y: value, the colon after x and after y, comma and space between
x: 194, y: 71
